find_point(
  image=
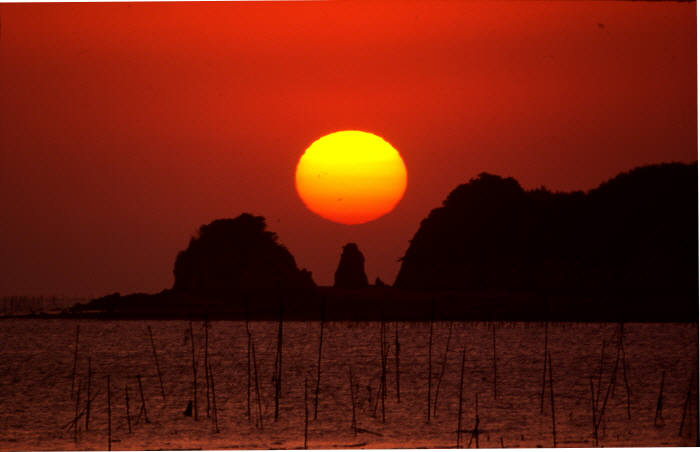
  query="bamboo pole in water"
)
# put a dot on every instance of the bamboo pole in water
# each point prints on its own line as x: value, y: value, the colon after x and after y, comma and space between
x: 213, y: 401
x: 600, y: 375
x: 126, y: 398
x: 109, y: 415
x: 155, y: 358
x: 77, y: 411
x: 247, y: 329
x: 475, y: 431
x: 624, y: 371
x: 306, y: 416
x: 257, y: 385
x: 353, y: 425
x: 551, y: 394
x: 544, y: 366
x: 686, y: 404
x: 442, y: 370
x: 143, y: 402
x: 593, y: 410
x: 660, y: 400
x: 87, y: 403
x: 383, y: 375
x: 75, y: 360
x: 396, y: 353
x: 278, y: 367
x: 459, y: 413
x: 318, y: 365
x: 495, y: 379
x: 206, y: 363
x: 430, y: 357
x: 194, y: 374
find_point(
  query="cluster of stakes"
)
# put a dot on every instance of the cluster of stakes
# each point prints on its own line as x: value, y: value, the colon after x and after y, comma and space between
x: 254, y: 410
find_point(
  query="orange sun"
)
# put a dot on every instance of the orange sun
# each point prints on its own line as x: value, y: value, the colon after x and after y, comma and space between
x: 351, y: 177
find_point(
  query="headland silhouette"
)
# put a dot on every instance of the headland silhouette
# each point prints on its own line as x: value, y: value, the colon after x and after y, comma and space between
x: 624, y: 251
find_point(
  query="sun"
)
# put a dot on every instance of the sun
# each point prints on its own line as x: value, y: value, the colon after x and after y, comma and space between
x: 351, y: 177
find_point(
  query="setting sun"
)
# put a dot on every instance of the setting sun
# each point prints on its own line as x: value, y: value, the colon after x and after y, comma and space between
x: 351, y: 177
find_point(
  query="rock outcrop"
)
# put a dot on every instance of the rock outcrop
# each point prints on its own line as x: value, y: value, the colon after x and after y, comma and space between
x: 231, y: 254
x: 351, y: 269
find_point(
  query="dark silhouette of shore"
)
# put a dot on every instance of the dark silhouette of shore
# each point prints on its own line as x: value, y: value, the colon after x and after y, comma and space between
x: 625, y: 251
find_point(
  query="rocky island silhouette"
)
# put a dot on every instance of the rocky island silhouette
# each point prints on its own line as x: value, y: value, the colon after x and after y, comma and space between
x: 624, y: 251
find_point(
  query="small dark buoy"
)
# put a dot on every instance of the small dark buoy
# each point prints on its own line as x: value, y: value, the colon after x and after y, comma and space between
x: 188, y: 410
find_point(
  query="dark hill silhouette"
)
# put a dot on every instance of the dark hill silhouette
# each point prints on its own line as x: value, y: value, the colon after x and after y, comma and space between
x: 636, y: 231
x: 625, y: 251
x: 351, y: 269
x: 233, y: 254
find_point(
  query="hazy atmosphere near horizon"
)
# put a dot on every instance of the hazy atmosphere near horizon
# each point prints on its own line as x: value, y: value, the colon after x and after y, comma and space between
x: 125, y: 127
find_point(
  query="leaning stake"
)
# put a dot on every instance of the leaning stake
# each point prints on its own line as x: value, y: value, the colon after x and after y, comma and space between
x: 660, y: 400
x: 75, y: 360
x: 155, y: 358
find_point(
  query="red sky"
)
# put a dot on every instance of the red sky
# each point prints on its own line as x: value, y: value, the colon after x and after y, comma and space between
x: 123, y: 127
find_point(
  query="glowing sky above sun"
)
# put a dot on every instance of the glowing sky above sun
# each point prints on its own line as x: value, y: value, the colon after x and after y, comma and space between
x: 350, y: 177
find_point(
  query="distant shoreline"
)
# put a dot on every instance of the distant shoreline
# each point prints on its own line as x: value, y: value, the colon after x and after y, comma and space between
x: 390, y: 304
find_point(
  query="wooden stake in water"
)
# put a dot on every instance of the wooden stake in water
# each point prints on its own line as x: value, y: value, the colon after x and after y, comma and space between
x: 353, y: 425
x: 143, y: 402
x: 593, y: 410
x: 250, y: 339
x: 544, y: 366
x: 686, y: 404
x: 442, y: 370
x: 660, y: 400
x: 194, y: 374
x: 600, y: 375
x: 77, y: 415
x: 109, y: 415
x: 155, y: 358
x: 75, y: 360
x: 396, y: 353
x: 459, y: 413
x: 475, y: 431
x: 551, y: 394
x: 624, y: 371
x: 318, y: 365
x: 495, y: 380
x: 382, y: 386
x: 213, y: 400
x: 278, y: 367
x: 257, y: 386
x: 430, y: 358
x: 126, y: 398
x: 306, y: 417
x: 87, y: 405
x: 206, y: 363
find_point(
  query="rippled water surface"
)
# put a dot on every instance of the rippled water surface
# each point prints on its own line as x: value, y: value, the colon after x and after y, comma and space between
x: 37, y: 357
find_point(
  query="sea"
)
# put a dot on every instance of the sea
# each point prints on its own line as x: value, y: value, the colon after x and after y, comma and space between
x: 445, y: 385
